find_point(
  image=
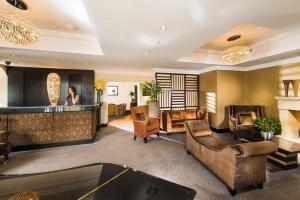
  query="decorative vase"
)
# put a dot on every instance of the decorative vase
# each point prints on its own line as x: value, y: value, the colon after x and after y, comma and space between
x: 53, y: 88
x: 267, y: 135
x: 286, y: 87
x: 296, y: 84
x: 153, y: 107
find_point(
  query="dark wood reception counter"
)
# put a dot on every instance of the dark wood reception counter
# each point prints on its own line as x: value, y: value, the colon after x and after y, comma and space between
x: 38, y: 127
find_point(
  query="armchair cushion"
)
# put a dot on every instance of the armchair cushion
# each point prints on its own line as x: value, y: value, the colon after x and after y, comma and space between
x: 245, y: 119
x: 141, y: 116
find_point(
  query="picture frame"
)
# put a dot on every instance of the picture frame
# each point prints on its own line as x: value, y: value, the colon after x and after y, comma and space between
x: 112, y: 90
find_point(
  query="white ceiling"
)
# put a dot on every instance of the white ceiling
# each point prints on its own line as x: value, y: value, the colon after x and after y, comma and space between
x: 127, y: 29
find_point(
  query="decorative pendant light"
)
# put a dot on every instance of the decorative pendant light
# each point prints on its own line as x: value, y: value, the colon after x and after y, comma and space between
x: 14, y: 27
x: 237, y: 54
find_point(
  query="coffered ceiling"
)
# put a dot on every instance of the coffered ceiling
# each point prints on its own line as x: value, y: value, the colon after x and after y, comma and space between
x: 127, y: 35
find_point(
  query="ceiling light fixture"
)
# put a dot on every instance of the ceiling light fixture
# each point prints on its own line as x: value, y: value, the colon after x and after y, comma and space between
x: 235, y: 55
x: 14, y: 27
x: 163, y: 28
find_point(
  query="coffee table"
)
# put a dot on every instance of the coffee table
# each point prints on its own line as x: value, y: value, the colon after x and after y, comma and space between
x: 286, y: 156
x: 95, y: 181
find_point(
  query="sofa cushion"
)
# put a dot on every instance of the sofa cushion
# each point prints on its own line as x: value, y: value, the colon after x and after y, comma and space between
x: 213, y: 142
x: 178, y: 122
x: 190, y: 114
x: 245, y: 119
x: 201, y: 132
x: 175, y: 115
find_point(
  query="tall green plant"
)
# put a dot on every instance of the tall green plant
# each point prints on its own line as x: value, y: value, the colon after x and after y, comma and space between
x: 151, y: 89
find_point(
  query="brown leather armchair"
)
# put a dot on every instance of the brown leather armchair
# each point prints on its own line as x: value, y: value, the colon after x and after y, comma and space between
x: 242, y: 121
x: 144, y: 126
x: 5, y: 146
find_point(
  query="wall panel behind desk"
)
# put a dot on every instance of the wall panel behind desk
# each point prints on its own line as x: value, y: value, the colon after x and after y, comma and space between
x: 28, y: 86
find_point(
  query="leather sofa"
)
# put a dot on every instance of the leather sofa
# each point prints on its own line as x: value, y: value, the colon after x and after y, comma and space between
x: 173, y: 120
x: 144, y: 125
x: 111, y: 109
x: 120, y: 109
x: 116, y: 110
x: 236, y: 165
x: 242, y: 121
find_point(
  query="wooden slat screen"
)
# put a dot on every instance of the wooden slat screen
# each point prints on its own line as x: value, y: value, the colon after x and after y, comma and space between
x: 179, y: 91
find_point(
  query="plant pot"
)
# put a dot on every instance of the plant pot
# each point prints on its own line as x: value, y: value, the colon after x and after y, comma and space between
x: 296, y: 84
x: 267, y: 135
x: 153, y: 107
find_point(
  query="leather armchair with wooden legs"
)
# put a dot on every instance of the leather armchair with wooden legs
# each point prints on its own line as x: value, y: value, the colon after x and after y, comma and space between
x: 144, y: 126
x: 5, y: 146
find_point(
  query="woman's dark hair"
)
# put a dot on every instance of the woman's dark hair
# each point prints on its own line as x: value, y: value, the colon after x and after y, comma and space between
x: 74, y: 90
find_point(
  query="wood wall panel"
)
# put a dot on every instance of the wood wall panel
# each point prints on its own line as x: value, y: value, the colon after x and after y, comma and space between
x: 28, y: 86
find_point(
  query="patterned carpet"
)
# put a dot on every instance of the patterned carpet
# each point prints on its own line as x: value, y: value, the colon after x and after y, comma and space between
x: 160, y: 157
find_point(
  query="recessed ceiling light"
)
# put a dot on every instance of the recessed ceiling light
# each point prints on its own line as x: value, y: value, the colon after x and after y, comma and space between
x: 156, y: 41
x: 163, y: 28
x: 146, y: 53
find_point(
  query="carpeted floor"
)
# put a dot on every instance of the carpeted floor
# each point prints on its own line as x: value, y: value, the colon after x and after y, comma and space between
x: 161, y: 157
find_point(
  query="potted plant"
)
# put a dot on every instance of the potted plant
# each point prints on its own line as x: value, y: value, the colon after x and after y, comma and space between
x: 267, y: 128
x: 151, y: 89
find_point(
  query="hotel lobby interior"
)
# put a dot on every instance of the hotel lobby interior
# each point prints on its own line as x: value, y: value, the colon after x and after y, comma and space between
x: 149, y: 100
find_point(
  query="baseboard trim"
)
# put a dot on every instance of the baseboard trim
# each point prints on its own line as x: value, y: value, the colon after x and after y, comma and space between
x: 222, y: 130
x: 51, y: 145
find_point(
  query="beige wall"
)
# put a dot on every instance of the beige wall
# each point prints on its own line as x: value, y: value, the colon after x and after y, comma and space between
x: 208, y: 98
x: 230, y: 91
x: 261, y: 88
x: 257, y: 87
x: 264, y: 84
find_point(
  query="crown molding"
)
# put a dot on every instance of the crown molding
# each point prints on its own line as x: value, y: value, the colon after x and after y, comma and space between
x: 55, y: 41
x: 273, y: 64
x: 229, y: 68
x: 175, y: 71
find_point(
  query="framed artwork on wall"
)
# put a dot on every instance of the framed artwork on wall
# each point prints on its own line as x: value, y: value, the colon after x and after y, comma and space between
x: 112, y: 90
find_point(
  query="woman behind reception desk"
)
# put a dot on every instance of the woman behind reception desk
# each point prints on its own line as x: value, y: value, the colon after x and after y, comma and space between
x: 73, y: 98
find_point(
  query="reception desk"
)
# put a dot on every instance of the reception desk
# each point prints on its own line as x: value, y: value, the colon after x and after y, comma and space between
x: 38, y: 127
